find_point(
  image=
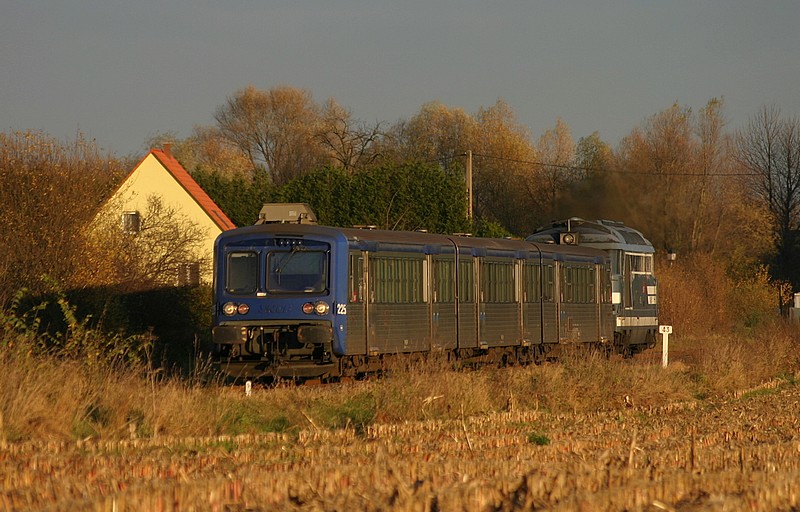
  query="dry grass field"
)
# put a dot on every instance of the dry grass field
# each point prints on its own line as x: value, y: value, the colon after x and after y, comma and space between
x: 719, y: 429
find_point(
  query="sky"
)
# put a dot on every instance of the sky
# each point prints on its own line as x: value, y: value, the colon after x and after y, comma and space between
x: 122, y: 71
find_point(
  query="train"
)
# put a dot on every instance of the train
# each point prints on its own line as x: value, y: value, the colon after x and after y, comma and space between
x: 634, y: 285
x: 297, y: 300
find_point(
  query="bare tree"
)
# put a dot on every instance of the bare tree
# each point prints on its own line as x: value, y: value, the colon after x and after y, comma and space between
x: 275, y: 129
x: 708, y: 205
x: 148, y: 258
x: 501, y: 148
x: 587, y: 197
x: 350, y: 143
x: 769, y: 148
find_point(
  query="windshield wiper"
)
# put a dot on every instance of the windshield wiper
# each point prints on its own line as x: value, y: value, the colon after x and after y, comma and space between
x: 295, y: 250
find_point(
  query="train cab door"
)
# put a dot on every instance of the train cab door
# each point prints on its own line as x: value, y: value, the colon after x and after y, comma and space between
x: 357, y: 302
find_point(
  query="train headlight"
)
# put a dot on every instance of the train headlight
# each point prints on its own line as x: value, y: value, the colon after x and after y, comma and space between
x: 243, y: 309
x: 229, y: 308
x: 569, y: 238
x: 322, y: 308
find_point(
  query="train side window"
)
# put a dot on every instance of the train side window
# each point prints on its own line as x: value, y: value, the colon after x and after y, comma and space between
x: 566, y: 284
x: 578, y: 285
x: 444, y: 284
x: 242, y: 272
x: 590, y: 294
x: 548, y: 283
x: 497, y: 282
x: 532, y: 282
x: 466, y: 281
x: 397, y: 280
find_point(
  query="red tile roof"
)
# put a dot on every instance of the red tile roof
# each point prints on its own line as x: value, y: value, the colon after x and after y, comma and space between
x: 193, y: 189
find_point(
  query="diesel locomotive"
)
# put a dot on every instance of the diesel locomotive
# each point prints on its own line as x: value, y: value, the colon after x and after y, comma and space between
x: 294, y: 299
x: 634, y: 287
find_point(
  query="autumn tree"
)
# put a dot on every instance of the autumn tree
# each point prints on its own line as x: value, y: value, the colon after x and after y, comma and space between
x: 674, y: 177
x: 437, y: 133
x: 501, y: 149
x: 587, y: 197
x: 555, y: 173
x: 275, y: 129
x: 205, y: 150
x: 49, y: 190
x: 502, y: 170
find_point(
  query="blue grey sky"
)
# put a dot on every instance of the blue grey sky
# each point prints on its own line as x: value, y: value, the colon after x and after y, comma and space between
x: 121, y: 71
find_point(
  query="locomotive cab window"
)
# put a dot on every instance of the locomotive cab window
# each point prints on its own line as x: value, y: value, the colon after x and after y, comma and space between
x: 641, y: 290
x: 242, y: 273
x: 298, y: 270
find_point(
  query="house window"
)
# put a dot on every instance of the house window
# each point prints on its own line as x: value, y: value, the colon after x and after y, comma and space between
x: 189, y: 274
x: 131, y: 222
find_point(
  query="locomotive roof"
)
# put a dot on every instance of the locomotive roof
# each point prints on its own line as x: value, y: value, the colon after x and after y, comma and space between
x: 376, y: 236
x: 603, y: 234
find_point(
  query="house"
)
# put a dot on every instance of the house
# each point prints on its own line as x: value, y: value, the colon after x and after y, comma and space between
x: 160, y: 175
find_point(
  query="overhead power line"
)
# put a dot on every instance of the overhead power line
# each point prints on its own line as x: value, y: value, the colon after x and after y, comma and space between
x: 592, y: 169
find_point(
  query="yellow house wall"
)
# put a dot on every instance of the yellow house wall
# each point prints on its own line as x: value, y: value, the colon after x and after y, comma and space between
x: 151, y: 178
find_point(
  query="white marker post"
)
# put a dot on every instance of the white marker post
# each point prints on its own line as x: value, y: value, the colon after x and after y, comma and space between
x: 665, y: 331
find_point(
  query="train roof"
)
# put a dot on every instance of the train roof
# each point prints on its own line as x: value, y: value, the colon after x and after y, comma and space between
x: 603, y: 234
x: 372, y: 238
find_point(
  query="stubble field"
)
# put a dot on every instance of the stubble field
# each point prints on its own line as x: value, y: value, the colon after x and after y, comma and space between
x: 737, y: 450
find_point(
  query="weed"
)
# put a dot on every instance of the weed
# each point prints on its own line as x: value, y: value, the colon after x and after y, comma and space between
x: 247, y: 417
x: 538, y: 439
x: 358, y: 411
x: 756, y: 393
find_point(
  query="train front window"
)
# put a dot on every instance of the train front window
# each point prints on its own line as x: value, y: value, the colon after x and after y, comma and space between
x: 297, y: 271
x: 641, y: 291
x: 242, y: 273
x: 640, y: 263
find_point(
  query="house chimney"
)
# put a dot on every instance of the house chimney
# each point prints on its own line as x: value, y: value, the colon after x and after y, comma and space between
x: 168, y: 149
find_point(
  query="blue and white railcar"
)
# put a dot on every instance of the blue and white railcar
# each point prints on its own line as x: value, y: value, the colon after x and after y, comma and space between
x: 635, y: 289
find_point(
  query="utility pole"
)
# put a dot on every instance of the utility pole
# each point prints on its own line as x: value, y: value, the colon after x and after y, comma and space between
x: 469, y: 183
